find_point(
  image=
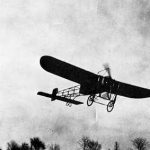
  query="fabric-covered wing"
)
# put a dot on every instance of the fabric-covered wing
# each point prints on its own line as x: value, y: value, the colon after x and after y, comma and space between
x: 64, y: 99
x: 67, y: 71
x: 132, y: 91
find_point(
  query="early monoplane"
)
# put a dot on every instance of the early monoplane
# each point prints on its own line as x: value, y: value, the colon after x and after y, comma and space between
x: 98, y: 87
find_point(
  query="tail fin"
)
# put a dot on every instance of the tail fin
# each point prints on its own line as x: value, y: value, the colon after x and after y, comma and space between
x: 54, y: 93
x: 52, y: 96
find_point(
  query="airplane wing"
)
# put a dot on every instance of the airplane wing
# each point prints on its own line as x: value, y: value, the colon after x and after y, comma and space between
x: 64, y: 99
x: 87, y: 79
x: 67, y: 70
x: 132, y: 91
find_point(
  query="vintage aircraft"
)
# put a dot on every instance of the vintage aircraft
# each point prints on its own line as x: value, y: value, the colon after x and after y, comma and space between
x: 94, y: 85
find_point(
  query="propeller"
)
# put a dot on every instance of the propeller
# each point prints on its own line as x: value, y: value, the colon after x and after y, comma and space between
x: 107, y: 68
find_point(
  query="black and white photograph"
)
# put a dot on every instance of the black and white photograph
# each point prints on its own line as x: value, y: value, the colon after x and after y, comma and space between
x: 74, y: 74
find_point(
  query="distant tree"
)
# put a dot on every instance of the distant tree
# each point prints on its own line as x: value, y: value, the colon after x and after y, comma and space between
x: 36, y: 144
x: 140, y: 143
x: 13, y: 146
x: 87, y: 144
x: 83, y: 142
x: 25, y: 146
x: 54, y: 147
x: 116, y: 146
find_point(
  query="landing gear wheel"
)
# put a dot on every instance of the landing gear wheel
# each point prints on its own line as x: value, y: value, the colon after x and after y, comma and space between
x: 67, y: 104
x: 90, y: 100
x: 110, y: 106
x: 70, y: 104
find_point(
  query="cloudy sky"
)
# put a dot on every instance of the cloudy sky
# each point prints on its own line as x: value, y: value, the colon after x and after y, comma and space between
x: 86, y: 33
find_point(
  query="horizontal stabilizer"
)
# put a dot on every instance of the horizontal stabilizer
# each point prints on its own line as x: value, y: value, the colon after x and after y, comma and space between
x: 64, y: 99
x: 44, y: 94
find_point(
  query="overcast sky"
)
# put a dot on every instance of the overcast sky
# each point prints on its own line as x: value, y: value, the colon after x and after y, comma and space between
x: 86, y: 33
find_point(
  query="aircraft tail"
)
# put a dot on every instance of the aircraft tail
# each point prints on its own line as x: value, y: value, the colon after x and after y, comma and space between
x: 54, y: 93
x: 52, y: 96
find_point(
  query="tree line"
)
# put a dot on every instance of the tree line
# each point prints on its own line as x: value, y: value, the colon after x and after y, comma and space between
x: 85, y: 143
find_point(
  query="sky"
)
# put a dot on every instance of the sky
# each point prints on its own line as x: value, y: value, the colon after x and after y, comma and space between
x: 88, y: 34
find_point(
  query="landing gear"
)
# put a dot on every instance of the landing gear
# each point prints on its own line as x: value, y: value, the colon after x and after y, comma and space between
x: 90, y: 100
x: 68, y: 104
x: 110, y: 106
